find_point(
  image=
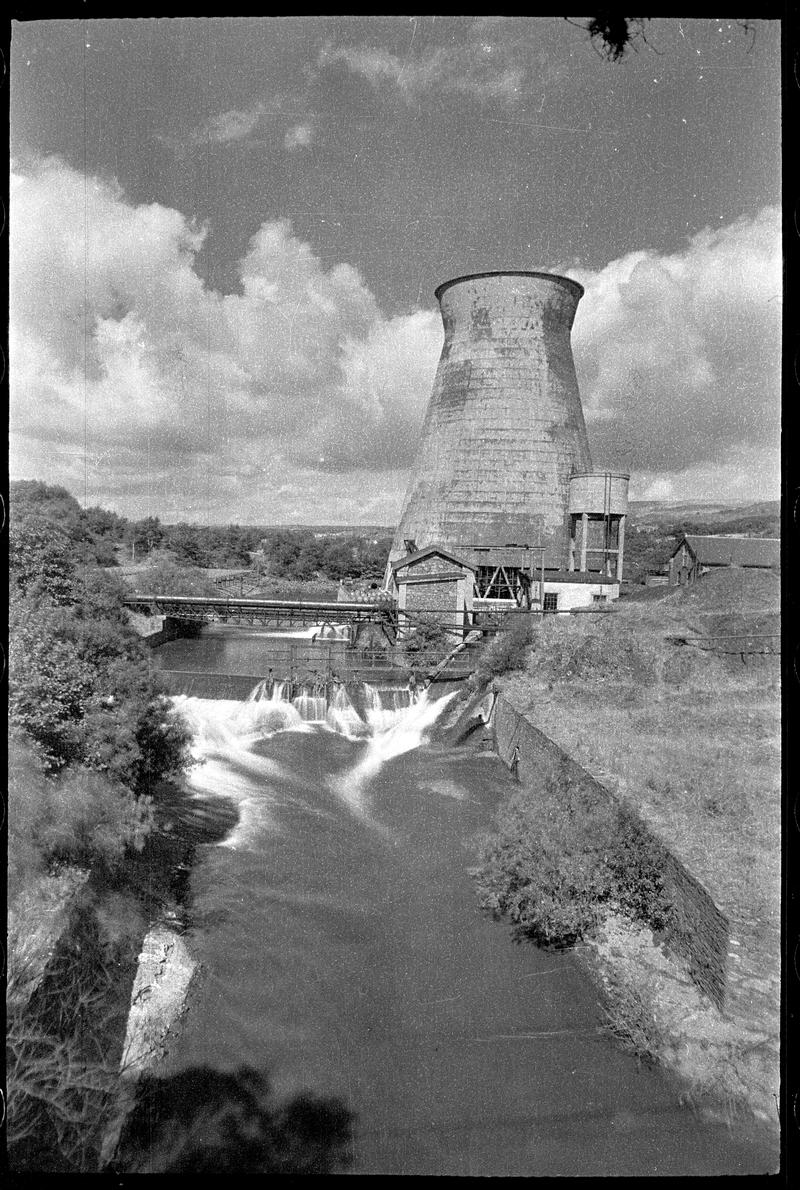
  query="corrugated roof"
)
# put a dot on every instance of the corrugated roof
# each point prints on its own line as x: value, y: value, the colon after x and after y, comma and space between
x: 733, y: 551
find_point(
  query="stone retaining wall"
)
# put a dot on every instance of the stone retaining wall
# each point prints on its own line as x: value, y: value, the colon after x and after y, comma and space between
x: 700, y: 932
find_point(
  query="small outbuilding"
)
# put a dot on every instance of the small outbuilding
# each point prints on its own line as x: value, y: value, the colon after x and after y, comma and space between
x: 696, y: 555
x: 434, y: 580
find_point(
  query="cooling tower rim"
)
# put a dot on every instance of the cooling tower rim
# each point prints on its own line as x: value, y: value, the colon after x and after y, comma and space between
x: 567, y: 281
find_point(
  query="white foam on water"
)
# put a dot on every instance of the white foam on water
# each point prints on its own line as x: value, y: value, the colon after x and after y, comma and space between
x: 393, y: 733
x: 224, y: 732
x: 343, y: 718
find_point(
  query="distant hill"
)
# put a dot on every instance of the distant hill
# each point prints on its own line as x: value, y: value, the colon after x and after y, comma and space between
x: 765, y: 516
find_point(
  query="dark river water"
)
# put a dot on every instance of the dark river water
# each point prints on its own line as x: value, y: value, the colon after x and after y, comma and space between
x: 343, y: 951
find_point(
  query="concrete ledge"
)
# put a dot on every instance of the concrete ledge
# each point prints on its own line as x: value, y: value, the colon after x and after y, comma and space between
x: 701, y: 932
x: 157, y: 1000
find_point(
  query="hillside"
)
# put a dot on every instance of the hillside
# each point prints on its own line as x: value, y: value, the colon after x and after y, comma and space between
x: 658, y: 513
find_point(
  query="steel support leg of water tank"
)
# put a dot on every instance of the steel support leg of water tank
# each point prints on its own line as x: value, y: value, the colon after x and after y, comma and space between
x: 620, y: 547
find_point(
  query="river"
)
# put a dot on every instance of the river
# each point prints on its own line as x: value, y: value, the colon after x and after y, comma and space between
x: 343, y: 951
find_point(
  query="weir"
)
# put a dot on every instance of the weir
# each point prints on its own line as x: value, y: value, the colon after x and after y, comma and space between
x: 355, y: 711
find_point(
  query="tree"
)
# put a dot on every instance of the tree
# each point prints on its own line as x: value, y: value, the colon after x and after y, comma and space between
x: 31, y: 497
x: 143, y: 536
x: 41, y: 558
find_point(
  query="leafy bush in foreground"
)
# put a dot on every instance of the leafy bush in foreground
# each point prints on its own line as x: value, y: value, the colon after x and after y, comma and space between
x: 80, y: 817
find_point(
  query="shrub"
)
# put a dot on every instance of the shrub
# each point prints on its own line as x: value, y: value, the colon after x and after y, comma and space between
x: 558, y: 857
x: 82, y: 690
x: 638, y: 866
x: 507, y: 651
x: 545, y: 864
x: 428, y: 640
x: 80, y: 817
x: 164, y: 576
x: 628, y: 1017
x: 41, y: 559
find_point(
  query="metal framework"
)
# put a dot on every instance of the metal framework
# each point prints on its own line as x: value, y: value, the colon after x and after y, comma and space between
x: 514, y: 574
x: 274, y: 613
x: 503, y: 582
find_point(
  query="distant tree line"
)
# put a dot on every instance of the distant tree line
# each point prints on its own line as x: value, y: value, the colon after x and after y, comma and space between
x: 302, y: 554
x: 98, y: 537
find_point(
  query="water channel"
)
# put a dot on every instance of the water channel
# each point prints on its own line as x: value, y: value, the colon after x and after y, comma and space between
x: 343, y: 951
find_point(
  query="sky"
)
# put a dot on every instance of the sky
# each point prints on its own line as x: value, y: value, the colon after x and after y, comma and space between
x: 225, y: 235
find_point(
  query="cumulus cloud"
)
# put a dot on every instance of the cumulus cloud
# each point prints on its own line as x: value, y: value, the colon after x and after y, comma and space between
x: 484, y: 66
x: 678, y: 358
x: 122, y: 355
x: 298, y: 396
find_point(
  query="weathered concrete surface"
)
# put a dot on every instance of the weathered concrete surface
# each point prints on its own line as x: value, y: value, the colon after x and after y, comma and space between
x: 504, y: 429
x: 157, y: 1000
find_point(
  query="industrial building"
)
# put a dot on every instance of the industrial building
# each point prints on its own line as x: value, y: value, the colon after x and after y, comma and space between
x: 503, y: 484
x: 696, y: 555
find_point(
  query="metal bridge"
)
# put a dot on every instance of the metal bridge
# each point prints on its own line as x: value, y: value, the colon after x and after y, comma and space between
x: 272, y: 613
x: 288, y: 613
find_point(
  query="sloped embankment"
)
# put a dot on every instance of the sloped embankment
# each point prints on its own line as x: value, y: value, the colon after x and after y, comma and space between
x: 690, y: 739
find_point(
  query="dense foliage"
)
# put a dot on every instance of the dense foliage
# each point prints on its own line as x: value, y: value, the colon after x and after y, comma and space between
x: 98, y: 536
x: 506, y: 651
x: 304, y: 554
x: 92, y: 732
x: 91, y: 533
x: 162, y: 575
x: 558, y: 858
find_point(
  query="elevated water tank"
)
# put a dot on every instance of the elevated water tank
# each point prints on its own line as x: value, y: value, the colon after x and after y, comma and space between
x: 605, y: 493
x: 504, y: 430
x: 598, y: 507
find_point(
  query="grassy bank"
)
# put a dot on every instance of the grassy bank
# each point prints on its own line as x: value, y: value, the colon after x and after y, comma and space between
x: 690, y: 739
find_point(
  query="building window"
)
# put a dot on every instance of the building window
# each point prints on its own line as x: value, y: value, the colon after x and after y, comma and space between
x: 598, y: 599
x: 550, y: 601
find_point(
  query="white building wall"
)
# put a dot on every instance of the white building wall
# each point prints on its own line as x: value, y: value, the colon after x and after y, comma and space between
x: 572, y: 595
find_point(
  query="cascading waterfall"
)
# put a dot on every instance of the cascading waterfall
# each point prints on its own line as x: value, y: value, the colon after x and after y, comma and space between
x: 225, y: 734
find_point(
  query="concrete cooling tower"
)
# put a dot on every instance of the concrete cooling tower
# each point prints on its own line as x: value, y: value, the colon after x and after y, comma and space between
x: 504, y: 430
